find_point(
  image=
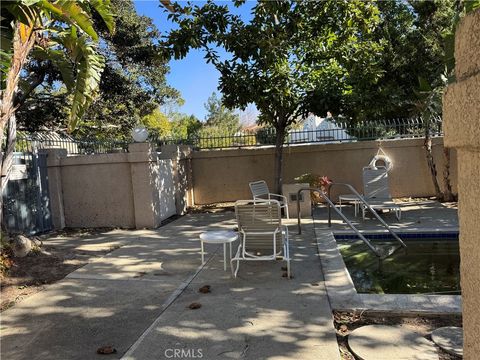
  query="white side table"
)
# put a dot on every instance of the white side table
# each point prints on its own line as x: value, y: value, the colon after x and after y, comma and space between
x: 219, y: 237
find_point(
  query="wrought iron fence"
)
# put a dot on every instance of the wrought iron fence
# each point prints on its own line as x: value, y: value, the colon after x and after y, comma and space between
x: 335, y: 131
x: 159, y: 141
x: 27, y: 142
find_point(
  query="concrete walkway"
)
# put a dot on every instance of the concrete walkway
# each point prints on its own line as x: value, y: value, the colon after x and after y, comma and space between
x: 259, y: 315
x: 136, y: 298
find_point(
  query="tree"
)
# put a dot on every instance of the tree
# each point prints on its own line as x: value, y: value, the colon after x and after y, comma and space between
x: 63, y: 33
x: 439, y: 21
x: 132, y: 85
x: 219, y: 119
x: 411, y: 35
x: 429, y: 107
x: 46, y: 108
x: 158, y: 124
x: 282, y: 55
x: 185, y: 126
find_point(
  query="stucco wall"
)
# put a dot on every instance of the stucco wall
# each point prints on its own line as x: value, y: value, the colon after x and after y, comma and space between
x: 461, y: 109
x: 97, y: 191
x: 223, y: 175
x: 138, y: 189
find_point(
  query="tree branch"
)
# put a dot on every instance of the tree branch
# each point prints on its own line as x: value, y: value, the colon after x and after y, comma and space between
x: 33, y: 81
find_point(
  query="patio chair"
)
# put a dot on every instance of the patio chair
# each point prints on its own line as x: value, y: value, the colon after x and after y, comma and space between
x: 260, y: 191
x: 377, y: 191
x: 262, y: 235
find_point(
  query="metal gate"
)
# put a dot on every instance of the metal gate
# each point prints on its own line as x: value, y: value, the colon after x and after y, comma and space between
x: 26, y: 198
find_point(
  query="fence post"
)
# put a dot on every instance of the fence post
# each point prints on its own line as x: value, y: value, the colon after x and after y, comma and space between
x: 54, y: 163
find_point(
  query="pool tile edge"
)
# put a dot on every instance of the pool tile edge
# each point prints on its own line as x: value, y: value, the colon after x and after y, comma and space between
x: 343, y: 295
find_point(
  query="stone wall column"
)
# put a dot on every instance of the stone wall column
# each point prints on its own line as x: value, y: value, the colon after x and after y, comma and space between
x: 181, y: 162
x: 54, y: 163
x: 461, y: 112
x: 143, y: 166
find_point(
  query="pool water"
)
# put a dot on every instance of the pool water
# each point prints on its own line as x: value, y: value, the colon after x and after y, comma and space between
x: 426, y: 266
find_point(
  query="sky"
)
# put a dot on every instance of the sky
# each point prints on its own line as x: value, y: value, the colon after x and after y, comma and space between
x: 192, y: 76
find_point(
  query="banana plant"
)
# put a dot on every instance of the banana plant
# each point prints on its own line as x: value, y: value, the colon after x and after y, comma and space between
x: 80, y: 66
x: 61, y: 31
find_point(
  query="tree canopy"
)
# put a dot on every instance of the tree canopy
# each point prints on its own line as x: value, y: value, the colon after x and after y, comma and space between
x: 132, y: 85
x: 59, y: 34
x: 283, y: 55
x: 219, y: 119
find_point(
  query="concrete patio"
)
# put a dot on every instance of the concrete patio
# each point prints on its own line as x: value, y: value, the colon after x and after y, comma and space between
x: 136, y: 299
x: 416, y: 215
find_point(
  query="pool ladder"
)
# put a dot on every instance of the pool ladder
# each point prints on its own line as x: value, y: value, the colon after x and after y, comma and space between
x: 376, y: 251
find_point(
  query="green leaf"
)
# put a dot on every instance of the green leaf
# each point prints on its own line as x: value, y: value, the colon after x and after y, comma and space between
x: 61, y: 62
x: 71, y: 13
x: 23, y: 13
x: 90, y: 68
x: 103, y: 8
x: 471, y: 5
x: 449, y: 42
x: 424, y: 85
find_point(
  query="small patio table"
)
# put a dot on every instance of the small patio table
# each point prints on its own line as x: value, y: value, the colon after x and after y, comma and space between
x: 219, y: 237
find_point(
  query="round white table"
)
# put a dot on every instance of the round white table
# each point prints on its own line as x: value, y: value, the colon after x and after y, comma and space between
x: 219, y: 237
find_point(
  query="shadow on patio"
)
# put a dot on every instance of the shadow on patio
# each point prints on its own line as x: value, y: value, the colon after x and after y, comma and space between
x: 114, y: 299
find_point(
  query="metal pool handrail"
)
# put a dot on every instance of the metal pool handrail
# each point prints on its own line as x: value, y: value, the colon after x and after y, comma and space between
x: 359, y: 234
x: 322, y: 194
x: 367, y: 205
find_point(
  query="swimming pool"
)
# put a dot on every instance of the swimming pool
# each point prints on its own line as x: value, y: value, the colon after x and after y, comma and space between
x: 429, y: 265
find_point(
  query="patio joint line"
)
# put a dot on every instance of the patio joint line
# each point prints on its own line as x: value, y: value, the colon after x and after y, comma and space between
x: 176, y: 293
x: 106, y: 278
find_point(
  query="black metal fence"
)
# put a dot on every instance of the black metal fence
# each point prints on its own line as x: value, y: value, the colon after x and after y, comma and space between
x: 27, y: 142
x: 327, y: 132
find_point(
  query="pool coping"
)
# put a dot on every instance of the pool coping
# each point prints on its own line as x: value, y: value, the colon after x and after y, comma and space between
x: 344, y: 297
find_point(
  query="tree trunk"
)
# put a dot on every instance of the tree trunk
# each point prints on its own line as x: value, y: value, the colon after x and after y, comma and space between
x: 278, y: 169
x: 23, y: 40
x: 432, y: 167
x: 447, y: 194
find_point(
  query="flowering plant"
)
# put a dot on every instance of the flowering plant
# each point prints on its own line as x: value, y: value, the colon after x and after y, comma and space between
x: 325, y: 183
x: 316, y: 181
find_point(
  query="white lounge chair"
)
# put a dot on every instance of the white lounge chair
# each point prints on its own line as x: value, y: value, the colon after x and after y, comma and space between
x: 377, y: 191
x: 262, y: 235
x: 260, y: 191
